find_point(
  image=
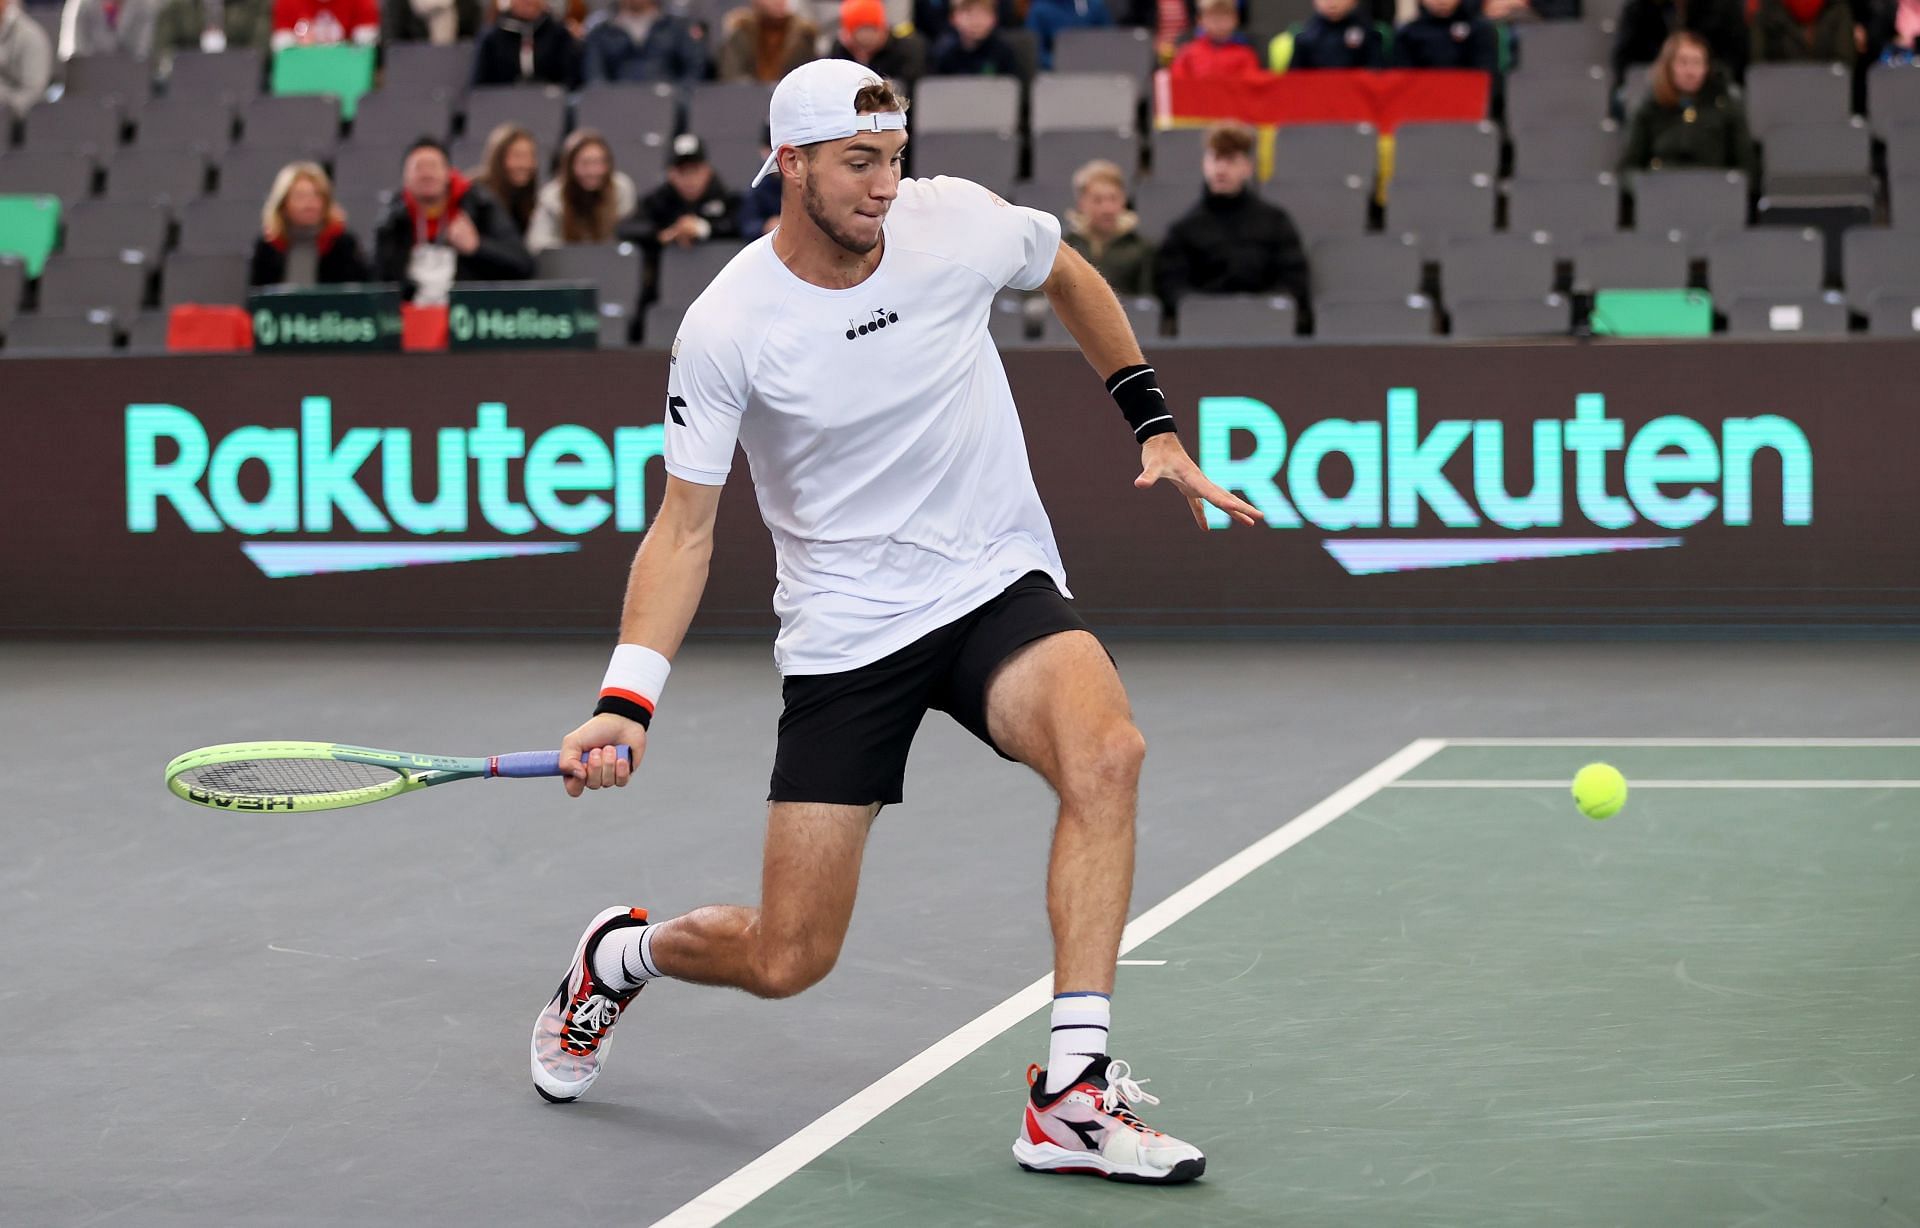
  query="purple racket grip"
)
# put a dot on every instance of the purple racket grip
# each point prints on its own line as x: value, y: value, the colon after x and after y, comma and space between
x: 525, y: 764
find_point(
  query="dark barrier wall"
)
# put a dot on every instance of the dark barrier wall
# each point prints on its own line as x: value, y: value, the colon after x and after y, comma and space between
x: 1550, y: 485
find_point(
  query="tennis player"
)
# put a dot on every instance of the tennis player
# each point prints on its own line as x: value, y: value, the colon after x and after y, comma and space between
x: 847, y: 353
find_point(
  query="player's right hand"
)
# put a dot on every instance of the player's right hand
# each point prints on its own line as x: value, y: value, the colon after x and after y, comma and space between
x: 588, y: 759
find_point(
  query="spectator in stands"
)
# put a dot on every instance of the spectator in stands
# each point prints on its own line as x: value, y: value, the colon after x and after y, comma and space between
x: 1048, y: 17
x: 1231, y: 241
x: 1820, y: 31
x: 430, y: 21
x: 1102, y: 228
x: 26, y: 61
x: 527, y: 43
x: 1338, y: 35
x: 1219, y: 49
x: 1646, y: 24
x: 322, y: 22
x: 1895, y: 37
x: 304, y: 240
x: 210, y: 25
x: 107, y: 27
x: 1530, y: 10
x: 692, y: 206
x: 510, y: 171
x: 1690, y: 117
x: 972, y: 47
x: 443, y: 228
x: 636, y: 41
x: 586, y: 201
x: 1447, y: 34
x: 760, y: 204
x: 865, y: 40
x: 764, y: 41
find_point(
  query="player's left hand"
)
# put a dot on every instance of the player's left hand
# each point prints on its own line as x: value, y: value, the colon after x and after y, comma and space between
x: 1162, y: 458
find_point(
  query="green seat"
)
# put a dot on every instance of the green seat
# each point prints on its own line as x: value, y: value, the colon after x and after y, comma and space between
x: 1653, y: 313
x: 28, y: 227
x: 344, y: 70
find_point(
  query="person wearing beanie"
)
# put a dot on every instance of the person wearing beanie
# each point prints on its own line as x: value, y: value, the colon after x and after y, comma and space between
x: 865, y: 39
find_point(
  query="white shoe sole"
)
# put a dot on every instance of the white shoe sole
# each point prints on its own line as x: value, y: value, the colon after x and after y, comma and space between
x: 1048, y: 1158
x: 559, y: 1090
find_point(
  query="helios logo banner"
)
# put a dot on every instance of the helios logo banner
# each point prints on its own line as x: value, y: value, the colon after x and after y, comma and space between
x: 570, y: 480
x: 1679, y: 472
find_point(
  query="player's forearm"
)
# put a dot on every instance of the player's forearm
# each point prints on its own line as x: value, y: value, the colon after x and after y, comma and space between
x: 668, y: 576
x: 1092, y: 313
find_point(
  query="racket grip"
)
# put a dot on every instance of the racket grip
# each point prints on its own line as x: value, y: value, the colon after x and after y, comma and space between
x: 525, y: 764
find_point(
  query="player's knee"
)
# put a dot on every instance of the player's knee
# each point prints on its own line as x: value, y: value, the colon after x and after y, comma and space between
x: 782, y: 974
x: 1105, y: 762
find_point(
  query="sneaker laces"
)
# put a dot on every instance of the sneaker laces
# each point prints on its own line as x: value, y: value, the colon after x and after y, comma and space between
x: 1123, y: 1090
x: 589, y: 1021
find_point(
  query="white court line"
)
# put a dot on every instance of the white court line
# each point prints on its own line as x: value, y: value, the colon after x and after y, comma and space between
x: 1682, y: 742
x: 760, y: 1175
x: 1140, y: 963
x: 1661, y: 784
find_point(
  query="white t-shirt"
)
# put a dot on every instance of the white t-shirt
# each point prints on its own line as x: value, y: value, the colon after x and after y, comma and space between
x: 886, y: 453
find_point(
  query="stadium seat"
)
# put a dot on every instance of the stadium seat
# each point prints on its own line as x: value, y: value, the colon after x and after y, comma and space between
x: 170, y: 176
x: 644, y: 160
x: 231, y: 77
x: 685, y: 271
x: 77, y: 285
x: 1877, y: 261
x: 311, y: 124
x: 1433, y: 213
x: 736, y: 108
x: 628, y: 110
x: 364, y: 167
x: 1903, y: 151
x: 1367, y: 268
x: 1651, y: 313
x: 124, y: 80
x: 29, y: 225
x: 1635, y: 87
x: 147, y: 335
x: 660, y: 325
x: 1766, y: 260
x: 1177, y: 152
x: 1779, y: 94
x: 170, y: 122
x: 959, y: 104
x: 1318, y: 210
x: 33, y: 336
x: 212, y: 279
x: 220, y: 225
x: 1445, y: 152
x: 423, y: 70
x: 1095, y: 101
x: 1575, y: 153
x: 1565, y: 212
x: 540, y: 109
x: 1776, y: 315
x: 1025, y: 45
x: 987, y: 158
x: 1554, y: 98
x: 1894, y: 315
x: 1160, y: 203
x: 65, y: 175
x: 364, y: 210
x: 248, y: 172
x: 1113, y: 49
x: 1630, y: 262
x: 1410, y: 319
x: 1697, y: 206
x: 1047, y: 195
x: 1903, y: 204
x: 1495, y: 268
x: 1819, y: 160
x: 614, y: 269
x: 1324, y: 153
x: 735, y: 158
x: 387, y: 118
x: 1546, y: 315
x: 1893, y: 98
x: 343, y: 71
x: 1213, y: 318
x: 108, y: 228
x: 1266, y: 19
x: 1059, y: 154
x: 76, y: 126
x: 1562, y: 45
x: 13, y: 286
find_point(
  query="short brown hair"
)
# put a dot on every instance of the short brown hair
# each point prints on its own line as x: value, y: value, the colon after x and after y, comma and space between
x: 1230, y: 140
x: 975, y: 4
x: 1099, y: 171
x: 878, y: 97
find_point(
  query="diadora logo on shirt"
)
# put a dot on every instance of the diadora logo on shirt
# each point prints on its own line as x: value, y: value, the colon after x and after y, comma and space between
x: 877, y: 319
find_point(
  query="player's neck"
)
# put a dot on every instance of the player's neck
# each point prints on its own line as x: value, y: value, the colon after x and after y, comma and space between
x: 816, y: 259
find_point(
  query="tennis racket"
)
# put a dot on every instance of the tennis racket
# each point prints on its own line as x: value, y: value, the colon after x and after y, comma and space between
x: 298, y: 776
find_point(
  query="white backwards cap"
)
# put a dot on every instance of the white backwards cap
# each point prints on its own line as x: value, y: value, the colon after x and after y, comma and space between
x: 814, y: 103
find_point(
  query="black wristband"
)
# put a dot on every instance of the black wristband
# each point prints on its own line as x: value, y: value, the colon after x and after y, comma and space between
x: 1135, y: 390
x: 639, y: 714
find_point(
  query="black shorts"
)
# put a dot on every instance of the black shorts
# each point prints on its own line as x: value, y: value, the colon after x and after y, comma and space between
x: 844, y: 737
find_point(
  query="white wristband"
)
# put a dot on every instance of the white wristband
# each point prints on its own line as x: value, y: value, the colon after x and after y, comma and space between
x: 636, y: 676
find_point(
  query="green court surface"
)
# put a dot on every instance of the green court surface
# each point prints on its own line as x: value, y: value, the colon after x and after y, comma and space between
x: 1461, y: 1003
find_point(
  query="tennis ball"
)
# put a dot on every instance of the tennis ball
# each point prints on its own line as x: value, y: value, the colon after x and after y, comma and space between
x: 1599, y: 790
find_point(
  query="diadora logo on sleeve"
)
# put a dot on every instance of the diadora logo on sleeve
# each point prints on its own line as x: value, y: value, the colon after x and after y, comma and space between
x: 1678, y: 473
x: 876, y: 320
x: 489, y: 476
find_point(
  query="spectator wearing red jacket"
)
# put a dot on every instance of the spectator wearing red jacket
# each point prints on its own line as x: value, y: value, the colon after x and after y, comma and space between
x: 318, y: 22
x: 1218, y: 49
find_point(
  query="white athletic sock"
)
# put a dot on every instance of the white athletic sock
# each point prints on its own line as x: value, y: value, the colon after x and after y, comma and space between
x: 1080, y: 1023
x: 624, y: 959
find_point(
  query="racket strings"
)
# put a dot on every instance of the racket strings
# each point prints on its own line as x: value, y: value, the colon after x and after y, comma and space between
x: 279, y: 777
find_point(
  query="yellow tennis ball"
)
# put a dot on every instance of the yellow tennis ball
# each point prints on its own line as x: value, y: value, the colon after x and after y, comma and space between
x: 1599, y: 790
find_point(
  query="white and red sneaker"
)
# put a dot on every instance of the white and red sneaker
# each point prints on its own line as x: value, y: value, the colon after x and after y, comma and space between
x: 570, y: 1037
x: 1090, y: 1128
